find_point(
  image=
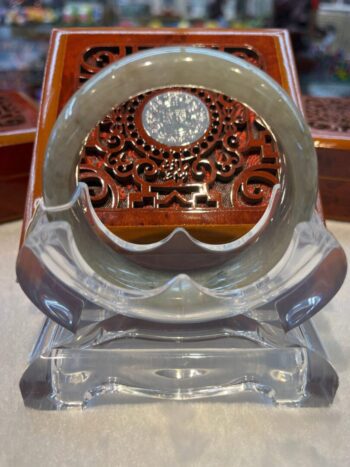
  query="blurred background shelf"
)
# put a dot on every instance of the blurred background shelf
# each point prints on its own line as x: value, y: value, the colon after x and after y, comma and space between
x: 319, y: 32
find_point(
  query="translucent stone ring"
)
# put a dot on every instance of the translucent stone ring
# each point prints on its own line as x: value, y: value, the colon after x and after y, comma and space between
x: 188, y: 66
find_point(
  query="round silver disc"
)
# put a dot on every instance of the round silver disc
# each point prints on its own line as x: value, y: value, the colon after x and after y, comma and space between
x: 175, y: 118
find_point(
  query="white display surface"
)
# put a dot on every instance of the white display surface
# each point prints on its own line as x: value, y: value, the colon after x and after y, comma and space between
x: 166, y: 433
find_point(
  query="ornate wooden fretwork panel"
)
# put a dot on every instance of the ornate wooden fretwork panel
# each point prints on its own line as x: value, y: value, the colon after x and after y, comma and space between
x: 77, y: 54
x: 233, y: 163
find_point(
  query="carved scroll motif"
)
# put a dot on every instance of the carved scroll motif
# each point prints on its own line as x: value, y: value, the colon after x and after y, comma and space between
x: 234, y: 164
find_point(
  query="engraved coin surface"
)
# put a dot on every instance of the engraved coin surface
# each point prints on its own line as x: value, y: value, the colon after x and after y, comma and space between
x: 175, y: 118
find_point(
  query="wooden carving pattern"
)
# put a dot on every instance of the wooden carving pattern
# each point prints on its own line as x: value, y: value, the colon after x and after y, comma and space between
x: 10, y: 114
x: 96, y: 58
x: 328, y: 113
x: 232, y: 166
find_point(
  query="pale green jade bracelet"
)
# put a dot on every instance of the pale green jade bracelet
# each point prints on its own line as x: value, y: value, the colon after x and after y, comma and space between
x: 249, y: 259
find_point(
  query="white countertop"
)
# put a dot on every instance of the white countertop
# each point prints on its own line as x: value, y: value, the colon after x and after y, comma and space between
x: 166, y: 433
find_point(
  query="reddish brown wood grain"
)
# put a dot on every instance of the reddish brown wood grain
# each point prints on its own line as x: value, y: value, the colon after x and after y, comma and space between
x: 18, y: 115
x: 329, y: 119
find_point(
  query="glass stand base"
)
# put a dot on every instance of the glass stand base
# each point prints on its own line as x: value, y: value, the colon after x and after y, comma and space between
x: 126, y: 360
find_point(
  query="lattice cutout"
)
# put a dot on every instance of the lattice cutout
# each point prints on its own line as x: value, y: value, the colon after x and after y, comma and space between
x: 233, y: 165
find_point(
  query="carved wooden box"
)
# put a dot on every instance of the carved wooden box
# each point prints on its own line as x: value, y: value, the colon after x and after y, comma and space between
x: 329, y: 119
x: 18, y: 116
x: 216, y: 184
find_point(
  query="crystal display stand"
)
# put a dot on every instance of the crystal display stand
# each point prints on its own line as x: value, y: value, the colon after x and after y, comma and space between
x: 179, y: 319
x: 126, y: 360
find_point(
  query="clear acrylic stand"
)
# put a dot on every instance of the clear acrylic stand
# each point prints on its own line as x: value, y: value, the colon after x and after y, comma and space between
x: 127, y: 360
x: 179, y: 318
x: 98, y: 345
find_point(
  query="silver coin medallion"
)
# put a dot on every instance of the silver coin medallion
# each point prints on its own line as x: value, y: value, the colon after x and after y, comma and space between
x: 175, y: 118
